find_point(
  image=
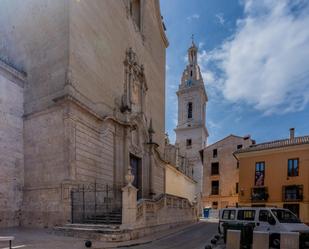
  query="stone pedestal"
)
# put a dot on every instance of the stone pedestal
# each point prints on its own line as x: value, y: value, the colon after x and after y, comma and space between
x: 289, y: 240
x: 260, y: 240
x: 233, y: 239
x: 129, y: 206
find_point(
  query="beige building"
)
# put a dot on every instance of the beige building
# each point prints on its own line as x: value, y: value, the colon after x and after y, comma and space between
x: 276, y: 173
x: 221, y: 172
x: 82, y: 88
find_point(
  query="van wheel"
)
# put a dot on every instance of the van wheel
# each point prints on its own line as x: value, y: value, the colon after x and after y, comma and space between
x: 274, y: 240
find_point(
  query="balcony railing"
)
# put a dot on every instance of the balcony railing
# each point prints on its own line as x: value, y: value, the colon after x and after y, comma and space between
x: 292, y: 193
x: 259, y: 194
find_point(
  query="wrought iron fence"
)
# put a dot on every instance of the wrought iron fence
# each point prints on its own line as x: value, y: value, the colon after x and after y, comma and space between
x: 97, y: 204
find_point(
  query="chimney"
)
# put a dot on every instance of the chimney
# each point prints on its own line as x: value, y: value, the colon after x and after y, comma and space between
x: 292, y: 133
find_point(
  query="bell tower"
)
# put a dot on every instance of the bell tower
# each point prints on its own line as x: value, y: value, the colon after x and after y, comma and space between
x: 191, y: 131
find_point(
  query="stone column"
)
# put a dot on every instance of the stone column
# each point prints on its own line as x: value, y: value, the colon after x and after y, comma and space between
x: 129, y: 202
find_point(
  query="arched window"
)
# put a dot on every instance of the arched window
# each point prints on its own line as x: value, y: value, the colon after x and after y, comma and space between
x: 135, y: 12
x: 190, y: 108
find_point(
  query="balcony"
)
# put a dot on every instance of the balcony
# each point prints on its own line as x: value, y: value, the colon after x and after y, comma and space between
x: 259, y: 194
x: 292, y: 193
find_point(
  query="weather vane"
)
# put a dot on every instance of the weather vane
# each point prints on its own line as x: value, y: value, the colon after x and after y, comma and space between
x: 192, y: 37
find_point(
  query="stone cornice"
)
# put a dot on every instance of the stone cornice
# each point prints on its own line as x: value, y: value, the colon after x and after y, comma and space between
x: 12, y: 74
x: 72, y: 99
x: 159, y: 19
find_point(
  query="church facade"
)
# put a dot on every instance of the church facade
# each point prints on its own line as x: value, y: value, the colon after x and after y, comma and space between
x: 82, y: 88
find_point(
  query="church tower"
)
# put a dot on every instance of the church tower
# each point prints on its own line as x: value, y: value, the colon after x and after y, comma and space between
x: 191, y: 131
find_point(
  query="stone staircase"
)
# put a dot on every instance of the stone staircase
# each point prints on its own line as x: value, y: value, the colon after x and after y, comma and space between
x: 114, y: 217
x: 100, y: 227
x: 102, y: 232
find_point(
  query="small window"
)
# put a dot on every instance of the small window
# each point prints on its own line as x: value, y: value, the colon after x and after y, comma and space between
x: 293, y: 167
x: 135, y: 12
x: 215, y: 205
x: 215, y: 187
x: 259, y: 174
x: 237, y: 165
x: 189, y: 142
x: 263, y: 215
x: 190, y: 108
x: 237, y: 186
x: 239, y: 146
x: 228, y: 215
x: 246, y: 215
x: 215, y: 168
x: 215, y: 153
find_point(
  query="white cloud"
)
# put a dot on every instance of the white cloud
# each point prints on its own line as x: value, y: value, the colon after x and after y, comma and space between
x: 220, y: 18
x: 201, y: 45
x: 192, y: 17
x: 265, y: 63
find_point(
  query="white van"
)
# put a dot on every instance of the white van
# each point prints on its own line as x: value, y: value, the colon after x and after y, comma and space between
x: 274, y: 220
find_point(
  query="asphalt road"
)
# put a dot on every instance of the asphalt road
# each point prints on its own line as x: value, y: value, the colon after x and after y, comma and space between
x: 194, y: 237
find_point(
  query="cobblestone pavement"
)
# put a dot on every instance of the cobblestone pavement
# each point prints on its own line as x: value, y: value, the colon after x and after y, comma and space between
x: 194, y: 237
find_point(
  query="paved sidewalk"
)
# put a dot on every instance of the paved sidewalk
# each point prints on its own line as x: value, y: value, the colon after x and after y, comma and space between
x: 26, y: 238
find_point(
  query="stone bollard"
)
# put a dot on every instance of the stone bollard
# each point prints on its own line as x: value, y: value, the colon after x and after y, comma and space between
x: 233, y: 239
x: 260, y: 240
x: 289, y: 240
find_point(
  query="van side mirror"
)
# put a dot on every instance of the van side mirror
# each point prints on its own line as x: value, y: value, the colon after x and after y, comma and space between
x: 271, y: 220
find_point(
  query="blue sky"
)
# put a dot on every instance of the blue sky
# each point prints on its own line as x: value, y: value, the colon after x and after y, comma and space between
x: 254, y: 57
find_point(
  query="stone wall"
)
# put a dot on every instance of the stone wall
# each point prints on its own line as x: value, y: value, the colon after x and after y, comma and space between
x: 11, y: 145
x: 100, y: 34
x: 34, y: 38
x: 74, y: 130
x: 178, y: 184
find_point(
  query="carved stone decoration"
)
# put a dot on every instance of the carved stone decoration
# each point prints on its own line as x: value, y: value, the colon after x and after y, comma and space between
x: 129, y: 176
x: 135, y: 86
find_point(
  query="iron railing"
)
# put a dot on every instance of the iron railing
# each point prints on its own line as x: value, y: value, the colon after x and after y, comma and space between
x: 259, y: 194
x: 96, y: 203
x: 292, y: 193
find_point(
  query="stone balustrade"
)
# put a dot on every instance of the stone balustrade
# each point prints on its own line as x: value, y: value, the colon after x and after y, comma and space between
x: 163, y: 210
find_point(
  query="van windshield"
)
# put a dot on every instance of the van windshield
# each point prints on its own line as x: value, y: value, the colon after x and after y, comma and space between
x: 285, y: 216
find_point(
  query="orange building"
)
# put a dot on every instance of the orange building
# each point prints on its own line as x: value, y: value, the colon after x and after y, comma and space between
x: 276, y: 173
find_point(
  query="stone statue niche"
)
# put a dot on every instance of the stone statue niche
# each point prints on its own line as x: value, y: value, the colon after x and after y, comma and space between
x: 135, y: 86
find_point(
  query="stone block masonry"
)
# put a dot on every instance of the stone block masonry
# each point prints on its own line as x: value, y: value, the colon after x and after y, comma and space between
x: 11, y: 145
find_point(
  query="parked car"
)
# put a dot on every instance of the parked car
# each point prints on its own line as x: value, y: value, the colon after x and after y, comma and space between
x: 273, y: 220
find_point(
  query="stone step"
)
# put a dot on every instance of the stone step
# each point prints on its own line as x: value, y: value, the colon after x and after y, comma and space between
x: 90, y: 229
x: 100, y: 232
x: 97, y: 226
x: 107, y: 222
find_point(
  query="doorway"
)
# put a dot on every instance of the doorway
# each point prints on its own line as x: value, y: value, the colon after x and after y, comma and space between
x: 136, y: 165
